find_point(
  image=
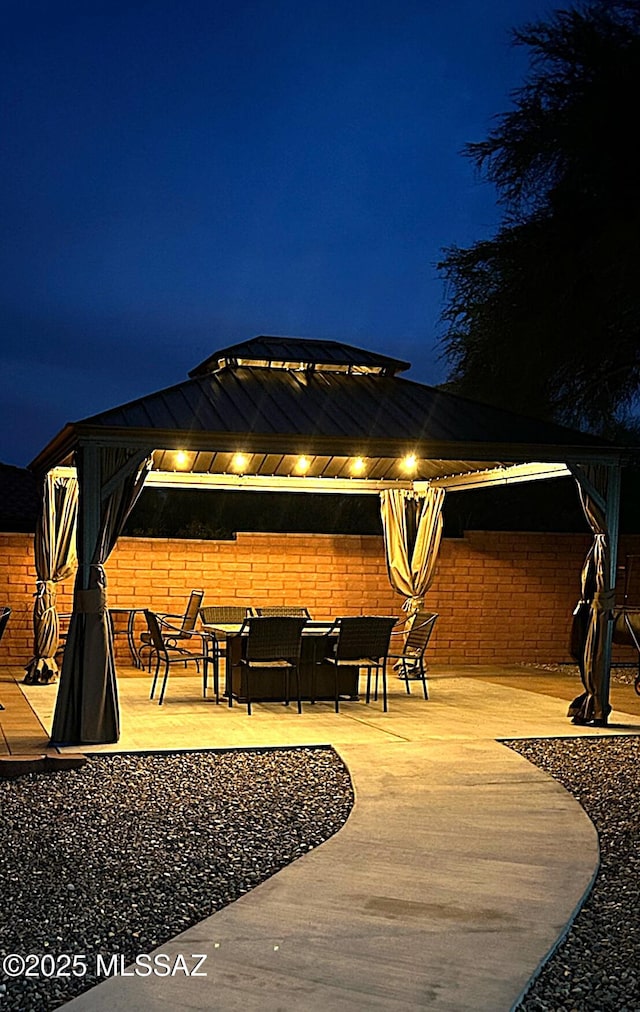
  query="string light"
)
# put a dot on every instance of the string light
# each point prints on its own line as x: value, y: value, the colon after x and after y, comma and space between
x: 357, y: 466
x: 410, y: 462
x: 240, y: 461
x: 302, y: 465
x: 181, y: 458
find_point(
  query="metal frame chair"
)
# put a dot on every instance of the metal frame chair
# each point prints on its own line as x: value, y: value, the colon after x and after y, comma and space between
x: 182, y: 631
x: 410, y: 660
x: 165, y: 652
x: 272, y: 641
x: 4, y: 618
x: 363, y: 642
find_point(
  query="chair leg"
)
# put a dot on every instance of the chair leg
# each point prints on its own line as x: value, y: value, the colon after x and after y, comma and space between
x: 164, y: 681
x: 216, y: 675
x: 405, y: 675
x: 423, y: 678
x: 384, y: 685
x: 298, y: 688
x: 155, y: 677
x: 367, y: 697
x: 337, y: 697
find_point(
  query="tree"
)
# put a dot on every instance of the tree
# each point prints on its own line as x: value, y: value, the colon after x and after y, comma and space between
x: 545, y: 317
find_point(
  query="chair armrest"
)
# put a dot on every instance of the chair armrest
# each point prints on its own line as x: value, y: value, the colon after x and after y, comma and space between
x: 174, y: 628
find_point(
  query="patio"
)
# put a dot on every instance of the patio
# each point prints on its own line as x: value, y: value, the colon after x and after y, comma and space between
x: 476, y: 702
x: 457, y: 871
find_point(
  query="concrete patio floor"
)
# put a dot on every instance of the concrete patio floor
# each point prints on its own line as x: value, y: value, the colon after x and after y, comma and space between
x: 458, y: 870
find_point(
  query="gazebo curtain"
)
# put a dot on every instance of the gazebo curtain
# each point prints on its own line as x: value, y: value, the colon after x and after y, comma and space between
x: 593, y: 612
x: 55, y: 558
x: 412, y: 525
x: 110, y: 481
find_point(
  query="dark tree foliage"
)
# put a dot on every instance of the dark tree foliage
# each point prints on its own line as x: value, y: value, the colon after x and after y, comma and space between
x: 544, y: 318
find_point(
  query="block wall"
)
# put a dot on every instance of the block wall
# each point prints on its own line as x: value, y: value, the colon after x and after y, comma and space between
x: 502, y: 597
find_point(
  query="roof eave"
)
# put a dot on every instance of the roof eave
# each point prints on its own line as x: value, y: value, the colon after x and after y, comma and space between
x: 75, y: 434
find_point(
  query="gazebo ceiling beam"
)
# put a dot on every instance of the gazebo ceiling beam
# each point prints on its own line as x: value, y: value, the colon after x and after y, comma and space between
x: 360, y: 486
x: 261, y: 483
x: 497, y: 476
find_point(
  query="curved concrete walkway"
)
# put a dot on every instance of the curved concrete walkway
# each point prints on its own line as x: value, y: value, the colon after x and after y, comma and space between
x: 457, y: 872
x: 458, y: 869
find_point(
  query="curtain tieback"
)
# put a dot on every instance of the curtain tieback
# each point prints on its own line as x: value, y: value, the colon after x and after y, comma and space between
x: 604, y: 600
x: 411, y: 604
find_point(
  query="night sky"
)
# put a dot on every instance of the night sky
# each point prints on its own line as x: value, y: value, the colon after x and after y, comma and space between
x: 178, y: 175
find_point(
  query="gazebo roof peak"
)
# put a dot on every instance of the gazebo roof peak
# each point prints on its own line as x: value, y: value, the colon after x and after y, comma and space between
x: 299, y: 353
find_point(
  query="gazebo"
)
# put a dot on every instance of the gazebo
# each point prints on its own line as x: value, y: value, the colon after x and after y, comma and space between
x: 300, y: 415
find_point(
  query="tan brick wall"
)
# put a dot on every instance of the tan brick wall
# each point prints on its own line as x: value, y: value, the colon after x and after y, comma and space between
x: 501, y: 597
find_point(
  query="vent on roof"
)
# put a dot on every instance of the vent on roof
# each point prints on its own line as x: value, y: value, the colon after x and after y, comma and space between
x: 297, y: 354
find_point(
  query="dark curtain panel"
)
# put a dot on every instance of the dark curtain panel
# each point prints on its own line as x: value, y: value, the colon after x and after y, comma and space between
x: 593, y: 612
x: 87, y: 706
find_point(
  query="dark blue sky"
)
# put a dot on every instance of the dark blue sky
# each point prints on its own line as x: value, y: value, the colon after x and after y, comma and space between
x: 177, y: 175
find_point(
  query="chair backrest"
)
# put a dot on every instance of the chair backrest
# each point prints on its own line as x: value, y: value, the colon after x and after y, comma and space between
x: 213, y: 613
x: 190, y: 616
x: 153, y: 625
x: 284, y: 609
x: 273, y: 637
x: 364, y: 636
x: 4, y: 618
x: 420, y: 633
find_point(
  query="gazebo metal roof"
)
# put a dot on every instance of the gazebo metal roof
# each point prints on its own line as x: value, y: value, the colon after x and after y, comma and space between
x: 274, y: 399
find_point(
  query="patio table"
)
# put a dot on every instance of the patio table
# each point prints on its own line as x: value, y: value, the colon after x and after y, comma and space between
x: 270, y: 686
x: 128, y: 631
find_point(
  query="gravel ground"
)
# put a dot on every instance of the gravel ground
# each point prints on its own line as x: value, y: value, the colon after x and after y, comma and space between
x: 623, y: 674
x: 596, y: 966
x: 126, y: 852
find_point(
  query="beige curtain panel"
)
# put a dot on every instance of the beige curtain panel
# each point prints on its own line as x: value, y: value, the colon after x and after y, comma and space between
x: 412, y: 525
x: 110, y: 481
x: 55, y: 557
x: 592, y: 614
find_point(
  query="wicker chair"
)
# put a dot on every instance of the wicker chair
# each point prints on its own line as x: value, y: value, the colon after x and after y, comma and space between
x: 363, y: 642
x: 272, y: 642
x: 278, y: 610
x: 410, y: 660
x: 222, y: 614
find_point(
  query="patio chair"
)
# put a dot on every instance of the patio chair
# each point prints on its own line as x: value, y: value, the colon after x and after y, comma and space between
x: 224, y: 614
x: 272, y: 643
x: 167, y: 653
x: 362, y: 642
x: 177, y: 627
x: 283, y: 610
x: 410, y: 659
x: 4, y: 618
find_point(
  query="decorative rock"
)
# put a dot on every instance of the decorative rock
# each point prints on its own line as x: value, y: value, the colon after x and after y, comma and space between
x: 123, y: 852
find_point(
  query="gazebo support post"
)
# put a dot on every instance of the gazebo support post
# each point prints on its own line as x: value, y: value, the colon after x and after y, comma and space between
x: 613, y: 526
